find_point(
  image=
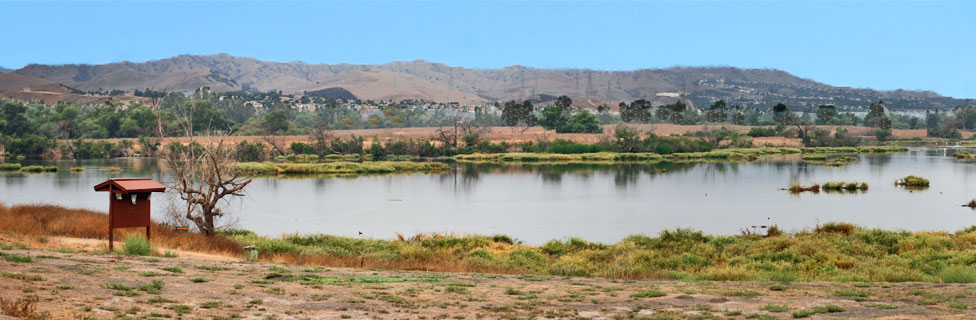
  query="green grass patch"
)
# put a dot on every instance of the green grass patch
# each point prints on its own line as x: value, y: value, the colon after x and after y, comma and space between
x: 36, y: 169
x: 912, y: 182
x: 825, y: 309
x: 136, y: 246
x: 775, y: 308
x: 648, y: 294
x: 16, y: 257
x: 373, y: 167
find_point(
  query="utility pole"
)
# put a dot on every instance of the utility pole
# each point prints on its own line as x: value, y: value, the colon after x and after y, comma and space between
x: 590, y: 90
x: 522, y: 90
x: 577, y: 82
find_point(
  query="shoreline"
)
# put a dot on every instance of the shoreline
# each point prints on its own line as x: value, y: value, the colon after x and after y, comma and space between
x: 827, y: 252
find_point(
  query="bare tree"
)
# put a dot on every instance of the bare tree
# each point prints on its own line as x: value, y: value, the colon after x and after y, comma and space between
x: 206, y: 179
x: 320, y: 137
x: 277, y: 144
x: 450, y: 135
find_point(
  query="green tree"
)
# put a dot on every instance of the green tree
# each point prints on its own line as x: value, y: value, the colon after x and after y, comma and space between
x: 637, y: 111
x: 717, y: 112
x: 626, y: 138
x: 581, y: 122
x: 966, y: 116
x: 275, y: 122
x: 515, y: 114
x: 877, y: 117
x: 672, y: 112
x: 781, y: 113
x: 13, y: 119
x: 826, y: 113
x: 554, y: 117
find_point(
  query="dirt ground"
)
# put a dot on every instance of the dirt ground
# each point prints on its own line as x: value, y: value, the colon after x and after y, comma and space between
x: 515, y: 134
x: 71, y: 279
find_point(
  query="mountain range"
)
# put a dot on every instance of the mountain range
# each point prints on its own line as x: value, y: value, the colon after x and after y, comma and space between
x: 439, y: 82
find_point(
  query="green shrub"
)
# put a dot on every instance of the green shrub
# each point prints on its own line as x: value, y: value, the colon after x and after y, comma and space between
x: 15, y: 257
x: 39, y: 169
x: 957, y: 274
x: 835, y: 227
x: 648, y: 294
x: 912, y: 181
x: 137, y: 246
x: 775, y: 308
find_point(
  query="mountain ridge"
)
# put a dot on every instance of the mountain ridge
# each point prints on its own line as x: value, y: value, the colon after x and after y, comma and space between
x: 421, y: 79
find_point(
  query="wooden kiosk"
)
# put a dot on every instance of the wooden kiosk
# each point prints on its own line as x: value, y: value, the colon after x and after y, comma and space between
x: 128, y: 204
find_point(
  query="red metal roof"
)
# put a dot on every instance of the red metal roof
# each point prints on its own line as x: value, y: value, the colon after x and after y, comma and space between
x: 131, y: 185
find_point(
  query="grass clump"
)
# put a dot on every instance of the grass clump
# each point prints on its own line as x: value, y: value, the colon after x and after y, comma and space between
x: 957, y: 274
x: 648, y: 294
x: 912, y: 182
x: 840, y: 161
x: 858, y: 295
x: 374, y: 167
x: 815, y: 157
x: 845, y: 186
x: 9, y: 167
x: 775, y: 308
x: 173, y: 269
x: 137, y: 246
x: 16, y: 257
x: 835, y: 227
x: 21, y: 276
x: 778, y: 287
x: 809, y: 312
x: 39, y: 169
x: 77, y: 169
x: 798, y: 188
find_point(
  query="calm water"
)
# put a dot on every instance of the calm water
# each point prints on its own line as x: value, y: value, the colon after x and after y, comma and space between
x: 536, y: 203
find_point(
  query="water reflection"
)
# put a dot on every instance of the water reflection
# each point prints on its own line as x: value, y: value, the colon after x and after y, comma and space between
x: 537, y: 202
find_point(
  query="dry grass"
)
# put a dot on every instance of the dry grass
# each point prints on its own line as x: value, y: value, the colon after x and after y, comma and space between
x: 23, y: 308
x: 798, y: 188
x: 48, y: 220
x: 515, y: 134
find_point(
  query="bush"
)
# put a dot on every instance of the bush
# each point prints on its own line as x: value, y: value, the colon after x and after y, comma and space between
x: 762, y: 132
x: 957, y: 274
x: 835, y: 227
x: 39, y: 169
x: 912, y: 181
x: 377, y: 151
x: 251, y: 151
x: 302, y: 148
x: 137, y: 246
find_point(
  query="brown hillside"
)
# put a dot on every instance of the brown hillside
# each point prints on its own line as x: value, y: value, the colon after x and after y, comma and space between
x: 16, y: 82
x: 698, y: 86
x: 384, y: 85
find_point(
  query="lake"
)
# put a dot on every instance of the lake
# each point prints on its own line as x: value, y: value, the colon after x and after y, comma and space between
x: 536, y: 203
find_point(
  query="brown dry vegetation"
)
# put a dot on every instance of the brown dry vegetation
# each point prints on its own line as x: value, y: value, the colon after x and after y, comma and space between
x: 516, y: 135
x: 47, y: 220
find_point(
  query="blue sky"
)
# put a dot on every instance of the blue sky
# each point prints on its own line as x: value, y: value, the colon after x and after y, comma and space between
x: 883, y: 45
